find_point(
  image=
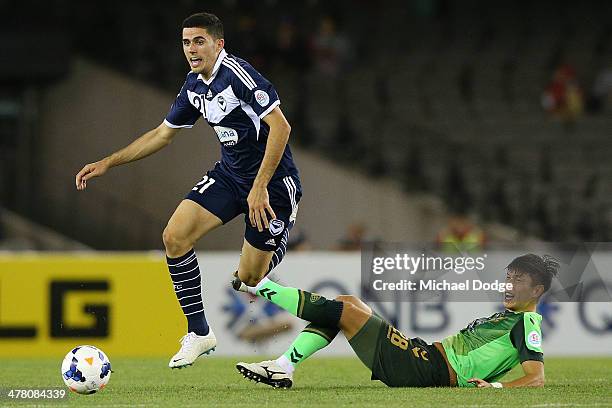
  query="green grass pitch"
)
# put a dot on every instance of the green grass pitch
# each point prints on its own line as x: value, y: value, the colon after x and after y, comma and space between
x: 332, y: 382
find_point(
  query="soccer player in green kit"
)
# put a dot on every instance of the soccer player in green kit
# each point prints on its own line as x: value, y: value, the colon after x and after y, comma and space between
x: 479, y: 355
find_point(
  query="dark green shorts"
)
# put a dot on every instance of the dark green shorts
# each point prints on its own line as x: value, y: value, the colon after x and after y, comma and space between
x: 397, y: 360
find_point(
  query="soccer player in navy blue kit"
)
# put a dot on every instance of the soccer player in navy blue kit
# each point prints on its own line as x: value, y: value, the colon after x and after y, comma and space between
x: 256, y: 175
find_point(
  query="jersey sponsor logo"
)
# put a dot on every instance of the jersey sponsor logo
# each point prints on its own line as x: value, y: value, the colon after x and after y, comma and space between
x: 276, y: 226
x: 227, y: 136
x: 222, y: 103
x: 533, y: 338
x: 271, y: 241
x: 262, y: 97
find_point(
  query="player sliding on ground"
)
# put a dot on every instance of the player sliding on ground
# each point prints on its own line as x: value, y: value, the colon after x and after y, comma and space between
x: 478, y: 355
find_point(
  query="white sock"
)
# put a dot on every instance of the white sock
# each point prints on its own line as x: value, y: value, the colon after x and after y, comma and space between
x: 253, y: 289
x: 284, y: 363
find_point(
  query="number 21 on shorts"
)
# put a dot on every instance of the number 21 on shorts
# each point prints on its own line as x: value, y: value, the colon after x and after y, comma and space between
x: 204, y: 184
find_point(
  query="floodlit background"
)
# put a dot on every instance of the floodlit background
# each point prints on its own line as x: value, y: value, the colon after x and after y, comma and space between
x: 421, y: 121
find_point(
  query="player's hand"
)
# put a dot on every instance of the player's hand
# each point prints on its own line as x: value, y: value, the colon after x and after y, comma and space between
x: 259, y: 202
x: 89, y: 171
x: 480, y: 383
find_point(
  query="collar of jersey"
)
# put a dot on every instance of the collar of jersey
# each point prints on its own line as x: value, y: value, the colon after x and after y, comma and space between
x: 220, y: 58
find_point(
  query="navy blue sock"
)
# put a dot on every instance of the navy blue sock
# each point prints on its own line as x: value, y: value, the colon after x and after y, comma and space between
x: 185, y: 274
x: 281, y: 250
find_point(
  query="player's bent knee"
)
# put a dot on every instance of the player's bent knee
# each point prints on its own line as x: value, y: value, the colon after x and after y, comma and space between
x: 175, y: 244
x: 352, y: 319
x: 345, y: 298
x: 350, y: 299
x: 355, y: 301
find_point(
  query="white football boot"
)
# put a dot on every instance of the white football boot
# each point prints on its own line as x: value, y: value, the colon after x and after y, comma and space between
x: 267, y: 372
x: 192, y: 347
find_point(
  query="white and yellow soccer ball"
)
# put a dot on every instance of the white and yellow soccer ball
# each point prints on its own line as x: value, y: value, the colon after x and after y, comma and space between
x: 86, y: 369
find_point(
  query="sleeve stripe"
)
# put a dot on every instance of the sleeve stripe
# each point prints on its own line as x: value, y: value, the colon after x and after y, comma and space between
x: 240, y: 73
x: 173, y: 126
x: 272, y: 106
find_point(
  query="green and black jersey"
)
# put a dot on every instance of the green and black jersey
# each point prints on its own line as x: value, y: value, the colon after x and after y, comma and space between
x: 489, y: 347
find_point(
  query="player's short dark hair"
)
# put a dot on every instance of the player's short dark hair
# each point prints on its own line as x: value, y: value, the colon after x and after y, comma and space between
x: 541, y: 268
x: 208, y: 21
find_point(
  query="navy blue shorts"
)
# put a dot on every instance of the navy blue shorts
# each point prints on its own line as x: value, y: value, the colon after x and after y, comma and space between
x: 225, y: 197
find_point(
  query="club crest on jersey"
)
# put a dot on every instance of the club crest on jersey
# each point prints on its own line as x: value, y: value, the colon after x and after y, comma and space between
x: 221, y: 102
x: 262, y: 98
x: 534, y: 339
x: 276, y: 226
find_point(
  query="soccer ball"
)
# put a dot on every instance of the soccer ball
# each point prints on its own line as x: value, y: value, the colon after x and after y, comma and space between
x: 86, y: 369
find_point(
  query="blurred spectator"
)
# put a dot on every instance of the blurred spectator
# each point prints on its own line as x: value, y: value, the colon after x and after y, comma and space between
x: 330, y: 49
x: 602, y: 91
x: 249, y: 43
x: 291, y: 53
x: 563, y: 96
x: 291, y: 48
x: 460, y: 235
x: 353, y: 238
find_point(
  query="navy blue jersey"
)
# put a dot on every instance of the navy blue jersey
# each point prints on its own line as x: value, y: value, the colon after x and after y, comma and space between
x: 233, y: 101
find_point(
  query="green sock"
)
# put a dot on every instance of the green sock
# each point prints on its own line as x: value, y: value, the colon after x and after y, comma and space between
x: 305, y: 305
x: 283, y: 297
x: 312, y: 339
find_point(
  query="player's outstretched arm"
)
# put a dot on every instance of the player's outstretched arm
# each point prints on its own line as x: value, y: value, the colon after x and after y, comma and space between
x: 534, y: 377
x: 258, y: 198
x: 145, y: 145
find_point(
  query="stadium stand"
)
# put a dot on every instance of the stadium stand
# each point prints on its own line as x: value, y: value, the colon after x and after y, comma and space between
x: 445, y: 97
